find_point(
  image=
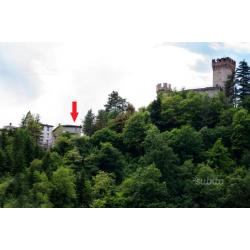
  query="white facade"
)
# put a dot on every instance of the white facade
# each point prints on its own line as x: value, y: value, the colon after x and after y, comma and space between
x: 46, y: 139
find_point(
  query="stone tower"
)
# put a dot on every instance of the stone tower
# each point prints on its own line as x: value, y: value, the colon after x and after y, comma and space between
x: 222, y: 69
x: 163, y: 87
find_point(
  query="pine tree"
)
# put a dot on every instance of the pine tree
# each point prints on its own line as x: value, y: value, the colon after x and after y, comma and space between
x: 101, y: 119
x: 116, y: 103
x: 155, y: 112
x: 242, y: 81
x: 89, y: 123
x: 3, y: 162
x: 32, y: 124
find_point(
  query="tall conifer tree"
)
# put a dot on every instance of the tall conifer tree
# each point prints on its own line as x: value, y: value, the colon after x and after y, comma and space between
x: 242, y: 81
x: 89, y: 123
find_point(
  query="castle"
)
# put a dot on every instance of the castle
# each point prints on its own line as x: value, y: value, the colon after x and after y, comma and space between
x: 222, y: 69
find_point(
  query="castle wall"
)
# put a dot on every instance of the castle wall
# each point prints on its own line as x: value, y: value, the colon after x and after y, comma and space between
x: 220, y: 76
x: 210, y: 91
x: 222, y: 69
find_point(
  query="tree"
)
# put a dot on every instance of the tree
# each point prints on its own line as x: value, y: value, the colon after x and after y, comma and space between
x: 83, y: 189
x: 199, y: 110
x: 40, y: 189
x: 130, y: 108
x: 134, y: 132
x: 240, y: 132
x: 22, y: 150
x: 103, y: 190
x: 207, y: 188
x: 82, y: 144
x: 4, y: 135
x: 186, y: 143
x: 32, y: 124
x: 170, y: 111
x: 194, y: 109
x: 211, y: 135
x: 4, y: 190
x: 89, y: 123
x: 237, y: 187
x: 143, y: 189
x: 63, y: 144
x: 73, y: 159
x: 63, y: 187
x: 115, y: 103
x: 158, y: 152
x: 184, y: 150
x: 155, y: 112
x: 3, y: 163
x: 185, y: 175
x: 118, y: 123
x: 219, y: 157
x: 108, y: 159
x: 245, y: 160
x: 246, y: 103
x: 242, y: 81
x: 106, y: 135
x: 101, y: 119
x: 51, y: 162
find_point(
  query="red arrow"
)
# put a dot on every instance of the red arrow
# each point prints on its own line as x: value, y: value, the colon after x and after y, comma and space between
x: 74, y: 112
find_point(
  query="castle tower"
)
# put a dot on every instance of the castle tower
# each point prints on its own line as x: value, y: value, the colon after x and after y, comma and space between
x: 163, y: 87
x: 222, y: 69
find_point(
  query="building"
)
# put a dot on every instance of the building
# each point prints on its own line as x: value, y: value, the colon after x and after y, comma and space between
x: 223, y: 68
x: 71, y: 129
x: 9, y: 127
x: 46, y: 138
x: 165, y: 87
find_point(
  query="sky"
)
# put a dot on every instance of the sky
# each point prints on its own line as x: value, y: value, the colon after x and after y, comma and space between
x: 45, y: 78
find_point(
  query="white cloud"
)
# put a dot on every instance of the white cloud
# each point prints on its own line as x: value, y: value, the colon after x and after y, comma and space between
x: 239, y: 47
x: 88, y: 73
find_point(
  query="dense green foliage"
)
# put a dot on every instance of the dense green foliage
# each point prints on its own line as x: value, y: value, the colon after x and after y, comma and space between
x: 237, y: 87
x: 184, y: 150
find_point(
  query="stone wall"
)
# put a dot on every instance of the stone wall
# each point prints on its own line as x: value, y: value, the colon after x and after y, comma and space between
x: 222, y: 69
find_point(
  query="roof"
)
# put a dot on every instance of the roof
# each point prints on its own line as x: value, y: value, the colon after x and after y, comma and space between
x: 72, y: 126
x: 8, y: 127
x: 46, y: 125
x: 67, y: 126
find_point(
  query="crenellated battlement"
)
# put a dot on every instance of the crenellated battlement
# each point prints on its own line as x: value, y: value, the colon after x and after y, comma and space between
x: 223, y: 68
x: 163, y: 87
x: 225, y: 62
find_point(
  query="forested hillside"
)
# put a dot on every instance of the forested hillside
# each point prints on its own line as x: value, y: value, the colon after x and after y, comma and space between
x: 183, y: 150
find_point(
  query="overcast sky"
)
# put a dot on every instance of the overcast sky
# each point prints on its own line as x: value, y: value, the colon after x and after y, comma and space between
x: 46, y: 77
